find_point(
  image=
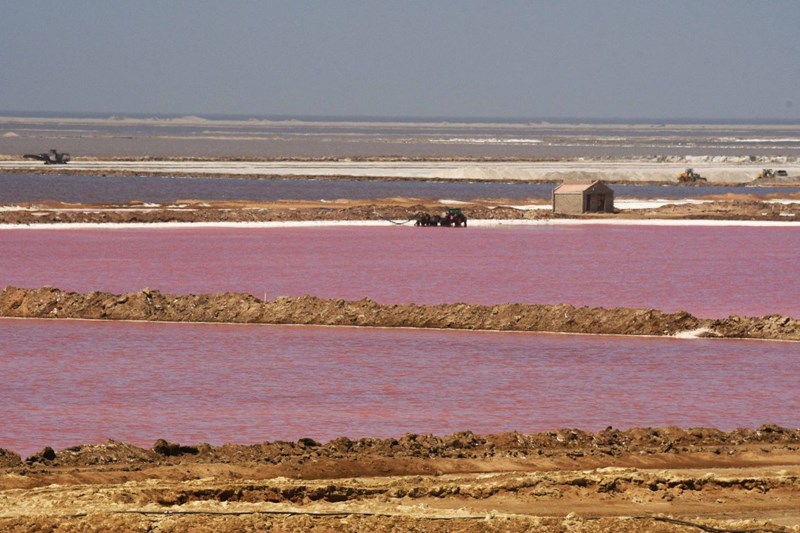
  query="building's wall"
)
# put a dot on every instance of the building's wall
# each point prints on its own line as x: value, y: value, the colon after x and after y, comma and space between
x: 610, y: 201
x: 600, y: 202
x: 568, y: 204
x: 575, y: 204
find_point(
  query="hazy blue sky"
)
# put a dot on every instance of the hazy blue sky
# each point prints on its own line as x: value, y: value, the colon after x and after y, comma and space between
x: 446, y: 58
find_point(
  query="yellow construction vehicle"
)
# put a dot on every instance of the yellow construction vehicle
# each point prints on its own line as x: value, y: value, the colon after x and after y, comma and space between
x: 690, y: 176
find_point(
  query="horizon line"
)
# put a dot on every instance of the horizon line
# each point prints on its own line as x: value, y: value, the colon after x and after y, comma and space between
x: 402, y: 118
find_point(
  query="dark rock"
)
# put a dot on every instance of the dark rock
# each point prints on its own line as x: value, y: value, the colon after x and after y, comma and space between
x: 171, y: 449
x: 47, y: 454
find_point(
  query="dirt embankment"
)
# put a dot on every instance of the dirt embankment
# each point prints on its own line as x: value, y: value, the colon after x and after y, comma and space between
x: 399, y: 455
x: 736, y: 209
x: 651, y: 479
x: 393, y: 209
x: 152, y: 305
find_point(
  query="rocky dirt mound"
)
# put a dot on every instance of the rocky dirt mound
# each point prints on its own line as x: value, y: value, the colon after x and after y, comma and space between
x: 152, y: 305
x: 109, y: 452
x: 8, y: 458
x: 765, y: 327
x: 463, y: 445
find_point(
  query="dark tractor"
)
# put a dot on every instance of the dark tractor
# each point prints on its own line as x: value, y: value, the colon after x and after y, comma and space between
x: 424, y: 219
x: 451, y: 217
x: 454, y: 217
x: 51, y: 158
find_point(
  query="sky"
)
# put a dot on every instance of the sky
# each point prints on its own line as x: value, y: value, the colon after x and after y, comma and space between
x: 515, y: 59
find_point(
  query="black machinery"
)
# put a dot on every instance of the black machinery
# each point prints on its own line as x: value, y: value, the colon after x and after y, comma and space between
x: 53, y: 157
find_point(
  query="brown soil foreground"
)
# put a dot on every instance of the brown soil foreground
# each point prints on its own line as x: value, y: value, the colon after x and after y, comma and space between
x: 651, y: 479
x: 152, y: 305
x: 725, y: 207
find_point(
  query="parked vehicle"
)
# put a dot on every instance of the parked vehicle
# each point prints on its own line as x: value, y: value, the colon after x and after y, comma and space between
x: 53, y: 157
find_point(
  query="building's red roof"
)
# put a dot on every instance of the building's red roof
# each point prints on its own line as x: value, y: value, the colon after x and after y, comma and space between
x: 574, y: 188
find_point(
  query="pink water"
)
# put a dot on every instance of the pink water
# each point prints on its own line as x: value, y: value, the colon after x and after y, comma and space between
x: 65, y: 383
x: 71, y: 382
x: 708, y: 271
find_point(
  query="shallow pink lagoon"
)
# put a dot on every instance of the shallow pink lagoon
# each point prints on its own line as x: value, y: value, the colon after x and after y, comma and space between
x: 708, y: 271
x: 68, y: 382
x: 71, y: 382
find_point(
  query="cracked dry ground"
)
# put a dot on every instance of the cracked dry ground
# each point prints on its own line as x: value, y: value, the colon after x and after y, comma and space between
x: 724, y: 486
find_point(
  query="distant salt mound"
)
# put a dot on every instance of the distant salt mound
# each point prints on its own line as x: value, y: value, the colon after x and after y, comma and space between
x: 190, y: 118
x: 10, y: 134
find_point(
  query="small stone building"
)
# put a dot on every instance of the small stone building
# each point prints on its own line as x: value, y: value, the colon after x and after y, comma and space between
x: 577, y: 198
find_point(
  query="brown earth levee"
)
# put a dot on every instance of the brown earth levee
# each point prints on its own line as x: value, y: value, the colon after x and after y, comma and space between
x: 152, y: 305
x: 569, y: 444
x: 567, y: 480
x: 397, y: 210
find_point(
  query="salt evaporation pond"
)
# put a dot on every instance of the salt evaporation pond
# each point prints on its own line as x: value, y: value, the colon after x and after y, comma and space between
x: 16, y: 188
x: 708, y: 271
x: 70, y: 382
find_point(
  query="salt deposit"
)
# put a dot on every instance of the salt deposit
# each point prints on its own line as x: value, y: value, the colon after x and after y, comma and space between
x: 716, y: 170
